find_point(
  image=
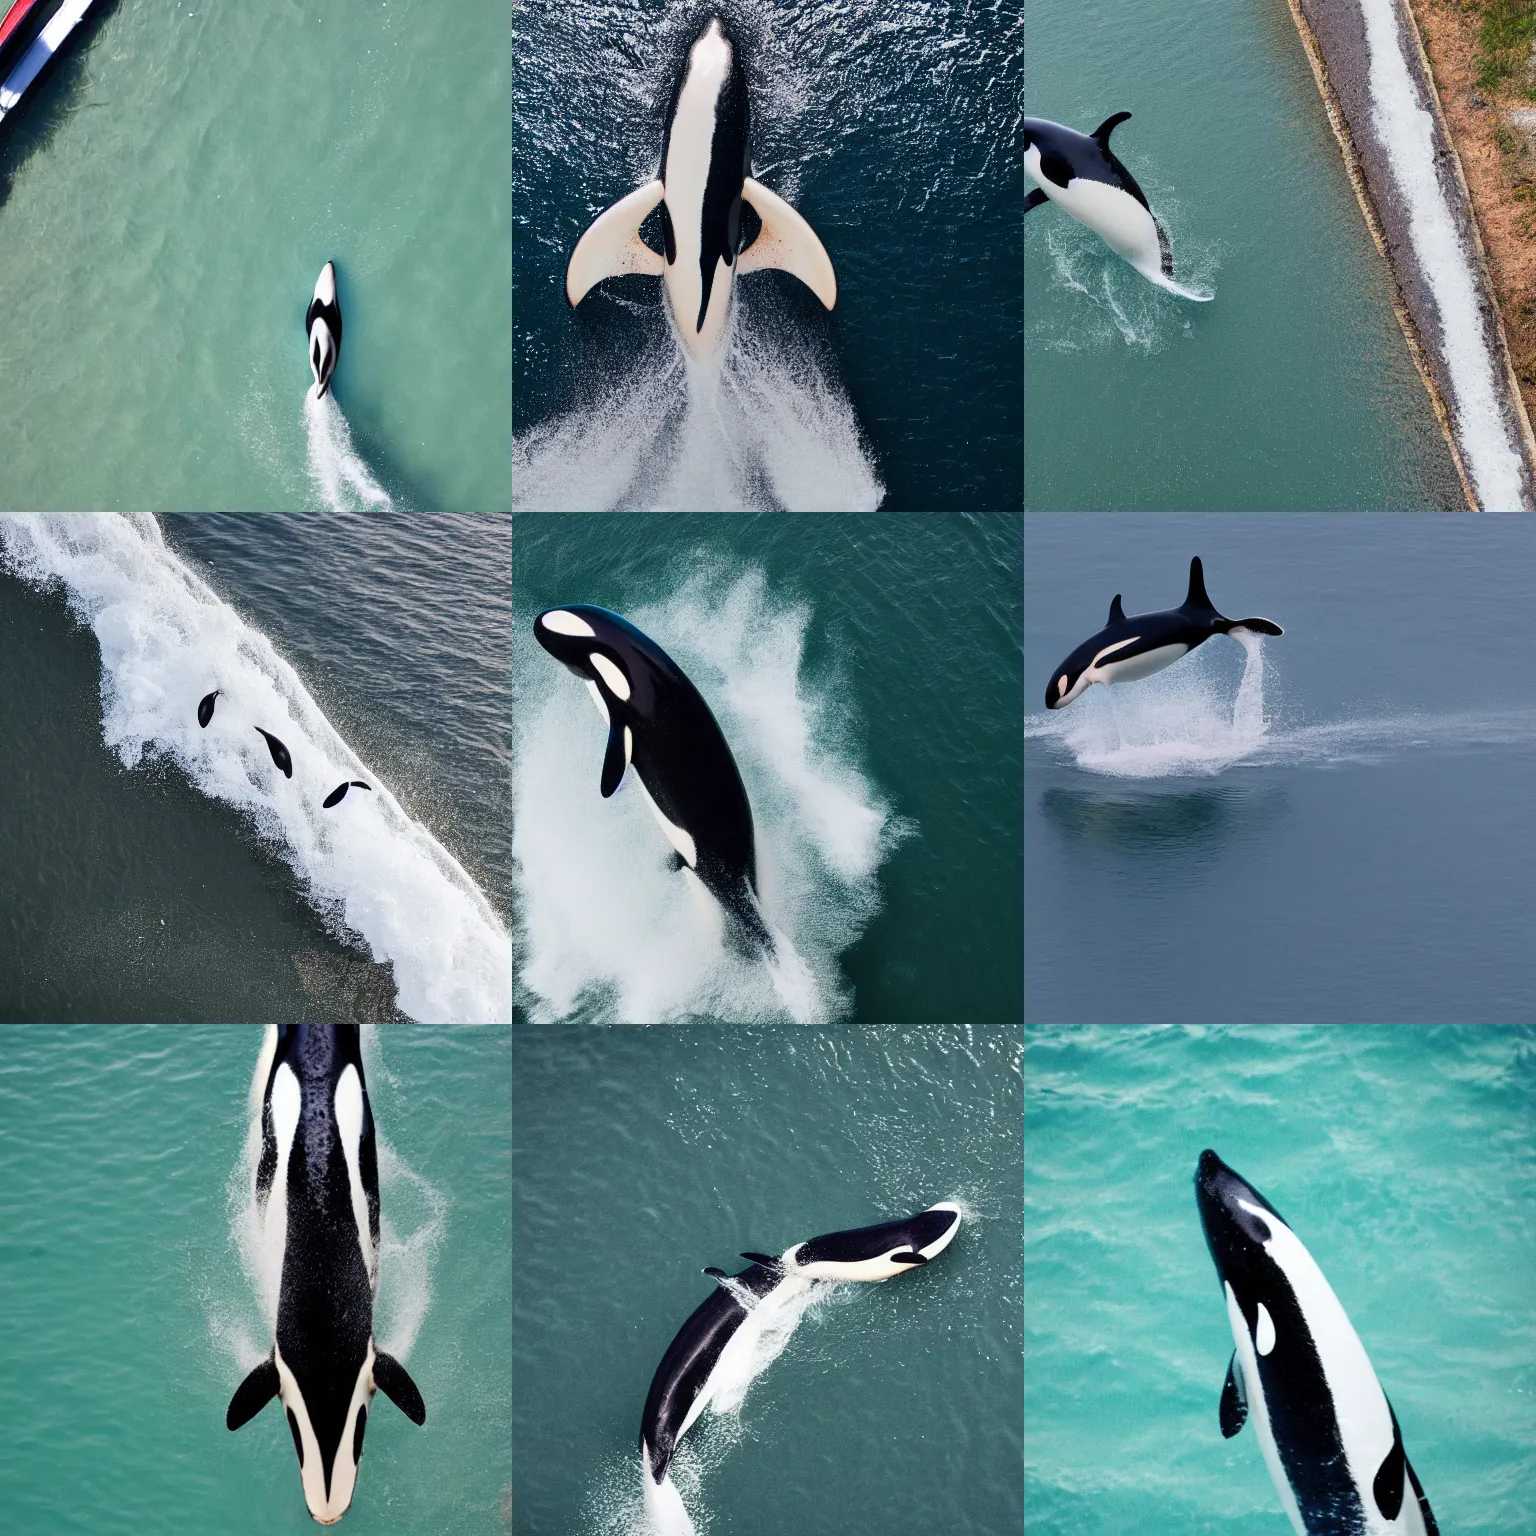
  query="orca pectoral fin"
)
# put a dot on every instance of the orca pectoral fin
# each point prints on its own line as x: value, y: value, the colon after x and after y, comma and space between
x: 715, y: 1273
x: 1034, y: 199
x: 912, y: 1257
x: 615, y: 761
x: 394, y: 1381
x: 611, y: 245
x: 788, y: 243
x: 252, y: 1395
x: 1258, y: 626
x: 1234, y: 1400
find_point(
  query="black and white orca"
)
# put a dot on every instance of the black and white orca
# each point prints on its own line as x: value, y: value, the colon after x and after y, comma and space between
x: 706, y: 164
x: 280, y: 757
x: 339, y: 794
x: 1082, y: 174
x: 317, y: 1192
x: 205, y: 707
x: 712, y: 1343
x: 322, y: 327
x: 1128, y: 649
x: 1329, y: 1435
x: 659, y: 724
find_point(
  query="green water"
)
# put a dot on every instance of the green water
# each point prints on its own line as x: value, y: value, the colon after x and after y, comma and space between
x: 643, y: 1155
x: 1293, y: 388
x: 121, y: 1289
x: 167, y: 199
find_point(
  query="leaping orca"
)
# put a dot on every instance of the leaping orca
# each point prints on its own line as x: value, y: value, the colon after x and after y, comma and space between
x: 317, y: 1194
x: 1329, y: 1435
x: 339, y: 794
x: 711, y: 1342
x: 706, y: 165
x: 205, y: 707
x: 280, y: 758
x: 1082, y: 174
x: 1128, y: 649
x: 322, y: 326
x: 659, y: 724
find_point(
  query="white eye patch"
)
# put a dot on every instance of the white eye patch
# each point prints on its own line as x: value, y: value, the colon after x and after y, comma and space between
x: 564, y: 623
x: 610, y: 674
x: 1264, y: 1331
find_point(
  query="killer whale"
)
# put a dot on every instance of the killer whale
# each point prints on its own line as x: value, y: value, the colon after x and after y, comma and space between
x: 1329, y: 1436
x: 1084, y: 176
x: 205, y: 707
x: 1128, y: 649
x: 659, y: 725
x: 339, y: 794
x: 709, y: 1343
x: 705, y: 177
x: 322, y: 328
x: 317, y: 1193
x: 280, y: 758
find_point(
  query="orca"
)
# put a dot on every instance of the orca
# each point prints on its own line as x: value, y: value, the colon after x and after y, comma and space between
x: 1329, y: 1435
x: 322, y: 326
x: 659, y: 724
x: 1081, y: 174
x: 317, y: 1197
x: 711, y: 1342
x: 279, y: 753
x: 205, y: 707
x: 339, y: 794
x: 706, y: 164
x: 1128, y: 649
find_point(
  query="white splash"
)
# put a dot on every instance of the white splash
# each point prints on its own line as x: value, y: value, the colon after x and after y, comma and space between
x: 344, y: 481
x: 606, y: 928
x: 1406, y: 129
x: 366, y: 866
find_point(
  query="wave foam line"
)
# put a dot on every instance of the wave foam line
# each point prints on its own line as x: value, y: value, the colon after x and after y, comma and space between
x: 167, y: 639
x: 1406, y: 130
x: 344, y: 481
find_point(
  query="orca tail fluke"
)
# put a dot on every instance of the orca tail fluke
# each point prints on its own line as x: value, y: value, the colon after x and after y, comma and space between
x: 611, y: 245
x: 1256, y: 626
x: 787, y: 243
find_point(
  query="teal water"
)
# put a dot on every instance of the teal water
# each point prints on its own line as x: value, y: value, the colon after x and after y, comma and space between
x: 127, y: 1307
x: 1293, y: 387
x: 642, y: 1156
x: 167, y: 199
x: 1402, y: 1158
x: 865, y: 673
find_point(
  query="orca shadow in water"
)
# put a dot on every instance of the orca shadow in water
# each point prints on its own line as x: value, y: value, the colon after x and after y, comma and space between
x: 659, y: 724
x: 1128, y: 649
x: 710, y: 1344
x: 1328, y: 1433
x: 317, y: 1190
x: 1176, y: 823
x: 1081, y: 174
x: 704, y: 187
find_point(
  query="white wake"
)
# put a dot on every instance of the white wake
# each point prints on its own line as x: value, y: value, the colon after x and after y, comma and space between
x: 343, y: 480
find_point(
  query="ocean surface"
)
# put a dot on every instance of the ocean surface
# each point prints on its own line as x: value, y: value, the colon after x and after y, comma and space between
x: 1402, y: 1158
x: 162, y: 872
x: 895, y: 131
x: 168, y: 196
x: 130, y: 1318
x: 1326, y: 827
x: 865, y: 673
x: 642, y: 1156
x: 1293, y: 388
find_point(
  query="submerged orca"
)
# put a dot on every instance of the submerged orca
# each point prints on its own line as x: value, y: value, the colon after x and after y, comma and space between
x: 659, y: 723
x: 1328, y: 1433
x: 711, y: 1343
x: 339, y: 794
x: 317, y: 1194
x: 279, y: 753
x: 322, y: 327
x: 706, y: 164
x: 205, y: 707
x: 1083, y: 175
x: 1128, y: 649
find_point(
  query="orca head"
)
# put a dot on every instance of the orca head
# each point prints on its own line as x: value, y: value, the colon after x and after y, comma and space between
x: 1240, y: 1230
x: 602, y: 649
x: 326, y: 1404
x: 878, y: 1252
x: 1070, y: 681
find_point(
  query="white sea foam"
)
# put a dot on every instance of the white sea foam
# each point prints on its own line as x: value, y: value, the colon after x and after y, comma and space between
x: 768, y: 429
x: 605, y: 926
x: 344, y: 481
x: 166, y: 640
x: 1186, y: 721
x: 1406, y: 129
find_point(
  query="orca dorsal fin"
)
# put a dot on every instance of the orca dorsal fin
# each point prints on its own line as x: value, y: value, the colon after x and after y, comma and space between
x: 767, y: 1260
x: 1233, y: 1412
x: 1197, y: 597
x: 1100, y: 135
x: 615, y: 760
x: 253, y: 1394
x: 1116, y: 612
x: 394, y: 1381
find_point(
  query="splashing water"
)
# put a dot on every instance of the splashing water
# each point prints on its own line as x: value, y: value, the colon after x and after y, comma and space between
x: 167, y: 639
x: 607, y: 929
x: 344, y: 482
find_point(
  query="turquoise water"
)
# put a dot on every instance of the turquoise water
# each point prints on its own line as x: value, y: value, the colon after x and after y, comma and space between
x: 865, y: 672
x: 168, y: 196
x: 1402, y: 1158
x: 1293, y: 387
x: 643, y: 1155
x: 128, y: 1314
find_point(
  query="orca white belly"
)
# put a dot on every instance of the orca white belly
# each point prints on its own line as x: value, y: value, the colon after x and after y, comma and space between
x: 1121, y: 222
x: 1134, y: 668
